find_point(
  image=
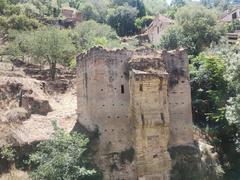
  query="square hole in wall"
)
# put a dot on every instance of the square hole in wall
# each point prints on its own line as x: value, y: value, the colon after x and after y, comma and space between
x: 122, y: 89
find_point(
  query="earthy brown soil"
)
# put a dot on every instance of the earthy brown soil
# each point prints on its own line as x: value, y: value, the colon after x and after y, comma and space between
x: 60, y: 95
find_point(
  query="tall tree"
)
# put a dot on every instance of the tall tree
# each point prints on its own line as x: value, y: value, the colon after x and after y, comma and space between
x: 195, y: 29
x: 50, y: 45
x: 138, y: 4
x: 3, y: 5
x: 123, y: 19
x: 90, y: 33
x: 154, y: 7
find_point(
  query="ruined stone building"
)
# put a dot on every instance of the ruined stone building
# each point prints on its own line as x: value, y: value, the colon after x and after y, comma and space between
x: 140, y: 103
x: 157, y: 28
x: 71, y: 14
x: 232, y: 15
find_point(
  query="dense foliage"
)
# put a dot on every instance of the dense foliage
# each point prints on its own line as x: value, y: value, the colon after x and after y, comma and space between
x: 55, y: 46
x: 215, y: 93
x: 62, y: 157
x: 143, y: 22
x: 195, y: 29
x: 50, y: 45
x: 209, y: 89
x: 123, y: 19
x: 90, y: 33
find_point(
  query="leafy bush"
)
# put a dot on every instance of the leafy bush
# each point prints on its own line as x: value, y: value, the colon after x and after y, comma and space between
x: 8, y: 153
x: 3, y: 5
x: 62, y: 157
x: 195, y: 29
x: 215, y: 97
x: 51, y: 45
x: 122, y: 19
x: 233, y: 26
x: 22, y: 22
x: 143, y: 22
x: 154, y: 7
x: 209, y: 89
x: 90, y: 33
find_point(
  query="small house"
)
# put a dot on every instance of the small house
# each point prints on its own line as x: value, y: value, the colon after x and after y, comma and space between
x: 157, y: 27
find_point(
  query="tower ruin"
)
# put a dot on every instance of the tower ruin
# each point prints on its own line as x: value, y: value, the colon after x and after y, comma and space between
x: 140, y: 102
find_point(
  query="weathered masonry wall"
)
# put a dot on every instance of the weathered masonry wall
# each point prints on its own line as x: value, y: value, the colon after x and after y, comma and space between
x: 140, y: 102
x: 103, y: 100
x: 179, y: 93
x: 104, y: 97
x: 150, y: 116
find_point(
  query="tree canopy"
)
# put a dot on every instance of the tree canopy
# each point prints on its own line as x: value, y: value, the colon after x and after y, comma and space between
x: 62, y: 157
x: 195, y: 28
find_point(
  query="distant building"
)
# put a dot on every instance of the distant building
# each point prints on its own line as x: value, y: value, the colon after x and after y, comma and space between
x: 232, y: 15
x: 71, y: 14
x: 157, y: 27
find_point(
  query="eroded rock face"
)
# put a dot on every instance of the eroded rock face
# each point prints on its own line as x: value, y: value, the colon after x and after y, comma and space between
x: 36, y: 106
x: 59, y: 86
x: 17, y: 115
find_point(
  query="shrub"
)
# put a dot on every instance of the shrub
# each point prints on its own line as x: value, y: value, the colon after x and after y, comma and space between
x: 64, y: 156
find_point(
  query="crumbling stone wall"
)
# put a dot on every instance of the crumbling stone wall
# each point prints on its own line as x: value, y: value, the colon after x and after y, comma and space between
x: 150, y: 116
x: 139, y: 102
x: 103, y: 100
x: 180, y: 102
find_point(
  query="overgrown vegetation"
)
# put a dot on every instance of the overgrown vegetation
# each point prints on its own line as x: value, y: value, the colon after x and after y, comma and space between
x: 7, y: 153
x: 195, y: 28
x: 64, y: 156
x: 215, y: 91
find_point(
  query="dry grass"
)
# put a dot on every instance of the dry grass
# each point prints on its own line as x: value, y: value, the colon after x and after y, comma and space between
x: 17, y: 115
x: 15, y: 175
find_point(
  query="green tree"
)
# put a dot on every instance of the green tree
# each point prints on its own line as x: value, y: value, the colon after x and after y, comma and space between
x: 122, y: 19
x: 3, y: 6
x: 22, y: 22
x: 172, y: 39
x: 138, y: 4
x: 58, y: 46
x: 7, y: 152
x: 90, y: 33
x: 225, y: 132
x: 50, y: 45
x: 143, y: 22
x: 154, y: 7
x: 233, y: 26
x: 30, y: 10
x: 63, y: 156
x: 196, y: 27
x: 209, y: 89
